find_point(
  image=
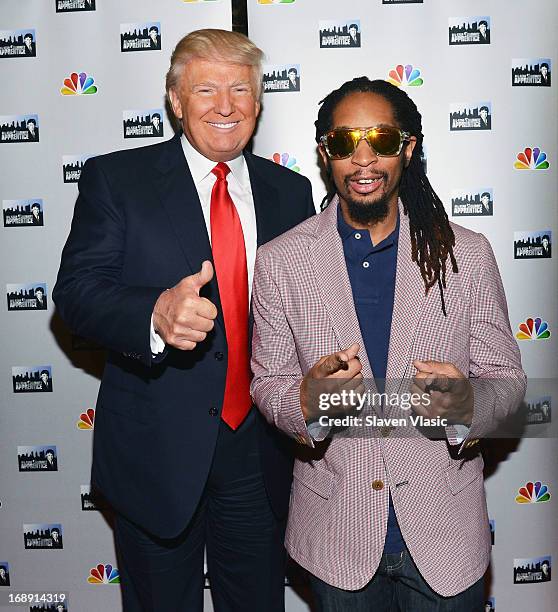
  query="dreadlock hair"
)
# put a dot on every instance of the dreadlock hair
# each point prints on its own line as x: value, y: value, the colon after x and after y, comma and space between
x: 432, y: 239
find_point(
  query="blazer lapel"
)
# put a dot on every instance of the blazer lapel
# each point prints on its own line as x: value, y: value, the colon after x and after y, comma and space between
x: 330, y: 270
x: 180, y: 200
x: 408, y: 303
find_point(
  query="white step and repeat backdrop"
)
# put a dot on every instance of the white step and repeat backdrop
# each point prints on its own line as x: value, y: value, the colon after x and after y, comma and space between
x: 84, y: 77
x: 455, y: 58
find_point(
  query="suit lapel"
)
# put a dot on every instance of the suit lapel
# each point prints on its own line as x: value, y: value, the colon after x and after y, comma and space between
x: 330, y: 270
x: 408, y: 303
x: 180, y: 200
x: 266, y: 202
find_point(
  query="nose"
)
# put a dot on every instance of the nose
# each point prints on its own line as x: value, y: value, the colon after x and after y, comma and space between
x: 364, y: 155
x: 223, y: 103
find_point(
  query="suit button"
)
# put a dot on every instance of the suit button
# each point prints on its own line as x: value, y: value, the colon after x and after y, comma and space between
x: 377, y: 485
x: 385, y: 431
x: 219, y: 356
x: 213, y: 411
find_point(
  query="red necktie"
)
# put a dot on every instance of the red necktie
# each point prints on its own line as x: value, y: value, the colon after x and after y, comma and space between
x: 229, y: 257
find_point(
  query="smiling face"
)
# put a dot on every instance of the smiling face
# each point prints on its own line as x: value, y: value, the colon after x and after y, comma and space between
x: 367, y: 185
x: 217, y: 105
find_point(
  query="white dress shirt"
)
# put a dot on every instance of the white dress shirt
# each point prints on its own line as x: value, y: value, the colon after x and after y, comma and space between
x: 240, y: 191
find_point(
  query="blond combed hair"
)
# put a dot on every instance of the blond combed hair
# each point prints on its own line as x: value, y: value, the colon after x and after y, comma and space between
x: 215, y: 45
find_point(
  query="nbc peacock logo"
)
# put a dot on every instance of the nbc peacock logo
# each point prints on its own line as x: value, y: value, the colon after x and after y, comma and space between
x: 531, y: 159
x: 407, y: 75
x: 284, y: 159
x: 533, y: 493
x: 104, y: 574
x: 533, y: 329
x: 86, y: 420
x: 78, y: 84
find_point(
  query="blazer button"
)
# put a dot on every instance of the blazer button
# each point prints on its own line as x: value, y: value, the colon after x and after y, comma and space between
x: 219, y: 356
x: 377, y: 485
x: 213, y: 411
x: 385, y: 431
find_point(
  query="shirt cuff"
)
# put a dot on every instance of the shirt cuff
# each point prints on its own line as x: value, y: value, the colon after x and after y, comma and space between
x: 156, y: 342
x: 317, y: 432
x: 461, y: 431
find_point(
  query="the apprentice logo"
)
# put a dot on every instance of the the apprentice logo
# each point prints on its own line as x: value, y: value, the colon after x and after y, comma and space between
x: 32, y: 379
x: 339, y: 34
x: 474, y: 203
x: 27, y: 296
x: 539, y: 410
x: 281, y: 78
x: 72, y: 165
x: 23, y: 213
x: 43, y: 536
x: 18, y: 43
x: 143, y: 123
x: 37, y: 458
x: 140, y: 36
x: 528, y: 571
x: 532, y: 245
x: 531, y: 72
x: 469, y: 30
x: 19, y: 128
x: 470, y: 117
x: 72, y: 6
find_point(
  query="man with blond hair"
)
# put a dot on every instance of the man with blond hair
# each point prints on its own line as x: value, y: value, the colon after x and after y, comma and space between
x: 158, y: 269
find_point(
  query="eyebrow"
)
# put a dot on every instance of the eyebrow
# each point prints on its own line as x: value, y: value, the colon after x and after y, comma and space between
x: 216, y: 85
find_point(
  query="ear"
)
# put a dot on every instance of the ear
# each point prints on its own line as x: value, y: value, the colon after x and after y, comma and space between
x: 175, y: 103
x: 258, y: 107
x: 408, y: 151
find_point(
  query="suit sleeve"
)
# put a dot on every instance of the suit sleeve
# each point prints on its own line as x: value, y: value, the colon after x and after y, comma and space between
x: 495, y: 370
x: 89, y: 293
x: 277, y: 373
x: 310, y: 207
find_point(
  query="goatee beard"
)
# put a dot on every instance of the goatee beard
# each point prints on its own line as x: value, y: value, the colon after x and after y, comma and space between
x: 366, y: 213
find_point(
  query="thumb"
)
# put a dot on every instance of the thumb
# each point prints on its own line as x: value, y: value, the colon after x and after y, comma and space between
x: 350, y: 353
x: 201, y: 278
x: 425, y: 366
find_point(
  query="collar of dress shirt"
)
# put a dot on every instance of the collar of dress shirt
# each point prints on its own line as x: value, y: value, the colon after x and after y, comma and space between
x: 200, y: 166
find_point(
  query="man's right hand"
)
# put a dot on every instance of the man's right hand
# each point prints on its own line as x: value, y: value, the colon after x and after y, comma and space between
x: 331, y: 374
x: 181, y: 317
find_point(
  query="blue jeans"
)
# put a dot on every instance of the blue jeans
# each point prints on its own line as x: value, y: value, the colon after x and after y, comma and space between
x: 397, y: 586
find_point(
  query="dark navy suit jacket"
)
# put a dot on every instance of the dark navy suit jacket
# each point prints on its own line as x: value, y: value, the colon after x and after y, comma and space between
x: 138, y: 228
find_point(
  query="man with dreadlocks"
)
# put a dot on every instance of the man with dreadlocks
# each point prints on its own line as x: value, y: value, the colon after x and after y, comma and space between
x: 379, y: 288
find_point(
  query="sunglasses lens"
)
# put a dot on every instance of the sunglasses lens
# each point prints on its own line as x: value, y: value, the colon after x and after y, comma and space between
x: 340, y: 144
x: 385, y: 140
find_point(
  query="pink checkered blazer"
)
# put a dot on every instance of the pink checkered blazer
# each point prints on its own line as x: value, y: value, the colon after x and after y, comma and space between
x: 303, y: 309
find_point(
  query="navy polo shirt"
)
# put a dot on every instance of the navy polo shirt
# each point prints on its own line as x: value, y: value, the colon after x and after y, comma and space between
x: 371, y: 271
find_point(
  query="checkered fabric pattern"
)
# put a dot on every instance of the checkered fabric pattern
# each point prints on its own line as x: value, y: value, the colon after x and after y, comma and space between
x: 303, y: 309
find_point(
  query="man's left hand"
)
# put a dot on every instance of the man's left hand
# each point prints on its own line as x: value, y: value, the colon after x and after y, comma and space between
x: 451, y: 393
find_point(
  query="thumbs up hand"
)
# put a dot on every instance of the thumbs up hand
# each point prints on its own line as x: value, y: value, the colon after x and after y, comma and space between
x: 181, y: 317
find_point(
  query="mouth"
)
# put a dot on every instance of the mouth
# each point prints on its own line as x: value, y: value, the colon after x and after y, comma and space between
x: 365, y: 185
x: 224, y: 126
